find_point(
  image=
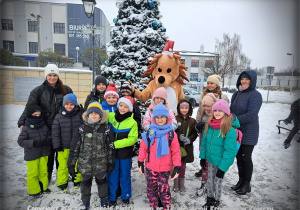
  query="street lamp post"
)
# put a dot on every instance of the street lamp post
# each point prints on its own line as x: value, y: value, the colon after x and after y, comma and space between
x: 89, y: 7
x: 291, y: 87
x: 37, y: 18
x: 77, y: 49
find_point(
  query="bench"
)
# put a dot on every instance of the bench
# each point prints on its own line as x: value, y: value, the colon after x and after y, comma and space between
x: 284, y: 128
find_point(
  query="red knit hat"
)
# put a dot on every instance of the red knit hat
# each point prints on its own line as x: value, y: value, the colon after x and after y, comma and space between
x: 128, y: 100
x: 111, y: 90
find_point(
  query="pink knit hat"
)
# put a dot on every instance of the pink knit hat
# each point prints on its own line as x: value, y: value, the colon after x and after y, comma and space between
x: 111, y: 90
x: 160, y: 93
x: 221, y: 105
x: 209, y: 99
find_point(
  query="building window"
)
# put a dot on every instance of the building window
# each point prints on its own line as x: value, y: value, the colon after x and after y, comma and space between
x: 32, y: 26
x: 33, y: 47
x: 195, y: 63
x: 209, y: 64
x: 59, y: 28
x: 7, y: 24
x: 9, y: 45
x: 60, y: 49
x: 194, y: 77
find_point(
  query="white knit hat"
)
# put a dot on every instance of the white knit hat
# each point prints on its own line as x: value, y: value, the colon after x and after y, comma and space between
x: 214, y: 79
x: 51, y: 68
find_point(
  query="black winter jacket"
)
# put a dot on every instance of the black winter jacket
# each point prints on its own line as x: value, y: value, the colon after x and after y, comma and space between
x: 26, y: 138
x: 94, y: 95
x: 63, y: 128
x: 50, y: 102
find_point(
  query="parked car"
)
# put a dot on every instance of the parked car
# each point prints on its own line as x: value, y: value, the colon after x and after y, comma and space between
x: 192, y: 95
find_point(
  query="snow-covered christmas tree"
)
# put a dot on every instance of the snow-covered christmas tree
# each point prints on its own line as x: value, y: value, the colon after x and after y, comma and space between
x: 138, y: 33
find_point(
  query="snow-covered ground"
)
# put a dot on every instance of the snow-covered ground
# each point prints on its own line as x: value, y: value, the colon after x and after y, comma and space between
x: 275, y: 181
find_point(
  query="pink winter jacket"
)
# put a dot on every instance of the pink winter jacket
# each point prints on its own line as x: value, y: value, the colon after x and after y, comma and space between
x: 165, y: 163
x: 148, y: 117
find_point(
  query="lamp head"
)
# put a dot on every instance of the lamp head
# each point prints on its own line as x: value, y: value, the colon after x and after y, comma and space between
x: 89, y: 6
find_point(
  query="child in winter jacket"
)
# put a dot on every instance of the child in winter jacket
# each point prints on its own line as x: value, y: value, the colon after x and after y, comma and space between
x: 36, y: 141
x: 111, y: 98
x: 64, y: 124
x: 90, y: 148
x: 160, y: 95
x: 218, y: 147
x: 187, y: 135
x: 125, y: 131
x: 207, y: 102
x: 160, y: 150
x: 97, y: 94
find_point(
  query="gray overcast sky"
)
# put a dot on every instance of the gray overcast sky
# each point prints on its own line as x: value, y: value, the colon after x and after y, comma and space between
x: 269, y: 29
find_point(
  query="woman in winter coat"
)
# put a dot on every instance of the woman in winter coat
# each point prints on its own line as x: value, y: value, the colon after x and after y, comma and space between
x: 97, y: 94
x: 213, y: 86
x: 187, y: 134
x: 245, y: 104
x: 49, y: 96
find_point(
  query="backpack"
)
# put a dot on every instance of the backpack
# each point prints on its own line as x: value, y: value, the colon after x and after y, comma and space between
x: 171, y: 137
x: 238, y: 139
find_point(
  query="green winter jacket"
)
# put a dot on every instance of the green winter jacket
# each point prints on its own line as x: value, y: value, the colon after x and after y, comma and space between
x: 125, y: 134
x: 217, y: 150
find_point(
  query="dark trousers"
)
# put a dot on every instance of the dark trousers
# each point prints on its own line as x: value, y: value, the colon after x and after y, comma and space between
x: 244, y: 161
x: 50, y: 163
x: 86, y: 186
x: 294, y: 130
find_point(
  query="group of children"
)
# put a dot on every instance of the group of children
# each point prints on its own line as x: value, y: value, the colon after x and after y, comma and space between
x: 100, y: 144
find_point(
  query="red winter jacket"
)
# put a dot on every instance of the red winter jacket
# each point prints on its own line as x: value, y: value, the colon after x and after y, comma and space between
x: 165, y: 163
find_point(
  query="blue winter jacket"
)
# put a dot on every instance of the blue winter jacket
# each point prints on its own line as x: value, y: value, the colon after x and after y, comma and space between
x: 246, y: 105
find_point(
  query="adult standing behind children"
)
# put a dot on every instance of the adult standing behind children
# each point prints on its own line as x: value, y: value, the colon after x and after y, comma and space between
x: 97, y: 94
x: 213, y: 86
x: 187, y: 135
x: 64, y: 124
x: 34, y: 138
x: 49, y: 96
x: 90, y: 147
x: 245, y: 104
x: 111, y: 98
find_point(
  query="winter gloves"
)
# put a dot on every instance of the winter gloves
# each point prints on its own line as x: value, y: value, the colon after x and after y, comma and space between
x: 203, y: 164
x: 176, y: 171
x: 110, y: 168
x: 71, y: 169
x: 141, y: 167
x: 184, y: 139
x: 288, y: 120
x: 200, y: 126
x: 286, y: 143
x: 220, y: 174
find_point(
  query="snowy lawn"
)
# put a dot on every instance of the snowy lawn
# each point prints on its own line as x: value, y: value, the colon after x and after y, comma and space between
x: 275, y: 181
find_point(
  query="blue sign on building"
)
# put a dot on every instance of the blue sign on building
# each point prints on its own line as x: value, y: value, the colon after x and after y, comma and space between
x: 77, y: 20
x: 198, y: 80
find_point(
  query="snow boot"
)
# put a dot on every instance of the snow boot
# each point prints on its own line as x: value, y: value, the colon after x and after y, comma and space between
x: 202, y: 190
x: 238, y: 184
x: 209, y: 202
x: 181, y: 185
x: 77, y: 185
x: 37, y: 195
x: 85, y: 206
x: 215, y: 204
x: 176, y: 185
x: 199, y: 173
x: 286, y: 143
x: 104, y: 202
x: 125, y: 203
x: 47, y: 191
x: 112, y: 204
x: 244, y: 189
x: 63, y: 187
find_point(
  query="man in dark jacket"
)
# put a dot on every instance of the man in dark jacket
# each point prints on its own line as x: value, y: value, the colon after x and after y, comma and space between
x: 245, y: 104
x: 295, y: 117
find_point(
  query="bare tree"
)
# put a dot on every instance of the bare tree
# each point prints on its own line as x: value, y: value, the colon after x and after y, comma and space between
x: 261, y: 71
x: 229, y: 58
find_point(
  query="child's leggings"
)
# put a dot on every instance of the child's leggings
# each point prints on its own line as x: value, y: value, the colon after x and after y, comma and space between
x: 204, y: 172
x: 158, y: 189
x: 214, y: 184
x: 36, y: 173
x: 62, y: 171
x: 182, y: 170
